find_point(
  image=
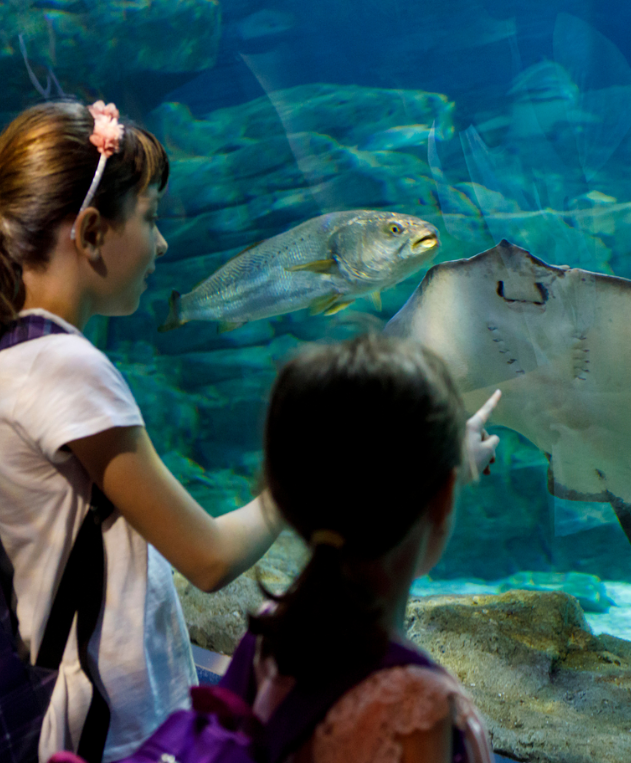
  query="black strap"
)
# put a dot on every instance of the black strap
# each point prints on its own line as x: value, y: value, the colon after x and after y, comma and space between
x: 81, y: 590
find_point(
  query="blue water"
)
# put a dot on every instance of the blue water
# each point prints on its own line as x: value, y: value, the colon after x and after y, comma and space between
x: 274, y: 113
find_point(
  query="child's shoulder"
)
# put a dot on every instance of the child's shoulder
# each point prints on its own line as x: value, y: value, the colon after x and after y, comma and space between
x: 389, y: 705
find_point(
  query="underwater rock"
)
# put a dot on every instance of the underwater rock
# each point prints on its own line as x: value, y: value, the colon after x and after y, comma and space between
x: 550, y: 691
x: 199, y: 369
x: 587, y: 589
x: 347, y: 114
x: 104, y: 43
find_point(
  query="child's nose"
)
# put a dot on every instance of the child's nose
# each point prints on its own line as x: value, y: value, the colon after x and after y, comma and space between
x: 161, y: 246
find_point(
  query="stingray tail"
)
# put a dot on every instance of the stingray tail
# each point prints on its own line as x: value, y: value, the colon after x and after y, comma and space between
x: 174, y: 318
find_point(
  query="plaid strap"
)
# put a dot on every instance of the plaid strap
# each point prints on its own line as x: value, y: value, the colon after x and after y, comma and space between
x: 29, y: 327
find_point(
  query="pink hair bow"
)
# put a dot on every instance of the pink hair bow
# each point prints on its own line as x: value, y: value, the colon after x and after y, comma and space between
x: 106, y: 136
x: 107, y: 132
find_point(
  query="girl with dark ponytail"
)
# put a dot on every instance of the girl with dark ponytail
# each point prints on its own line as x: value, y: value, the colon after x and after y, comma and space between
x: 364, y: 443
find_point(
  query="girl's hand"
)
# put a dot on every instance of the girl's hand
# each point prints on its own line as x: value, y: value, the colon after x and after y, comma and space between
x: 479, y: 446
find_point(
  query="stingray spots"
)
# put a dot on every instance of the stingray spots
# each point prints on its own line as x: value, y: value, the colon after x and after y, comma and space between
x: 501, y: 348
x: 580, y: 356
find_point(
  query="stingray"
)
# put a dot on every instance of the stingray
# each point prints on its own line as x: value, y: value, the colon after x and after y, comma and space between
x: 555, y: 340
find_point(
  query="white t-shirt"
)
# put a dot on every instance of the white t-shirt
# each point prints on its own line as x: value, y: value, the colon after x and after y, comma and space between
x: 53, y: 390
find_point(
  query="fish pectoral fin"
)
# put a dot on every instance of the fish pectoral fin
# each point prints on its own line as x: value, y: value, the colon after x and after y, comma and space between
x: 321, y: 304
x: 337, y: 307
x: 375, y: 297
x: 224, y: 326
x: 329, y: 304
x: 317, y: 266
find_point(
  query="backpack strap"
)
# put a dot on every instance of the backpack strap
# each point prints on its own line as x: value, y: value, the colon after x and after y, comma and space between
x: 240, y: 677
x: 82, y: 587
x: 82, y: 591
x: 29, y: 327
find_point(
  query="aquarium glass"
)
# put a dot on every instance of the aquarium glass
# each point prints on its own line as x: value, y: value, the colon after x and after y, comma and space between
x: 490, y: 120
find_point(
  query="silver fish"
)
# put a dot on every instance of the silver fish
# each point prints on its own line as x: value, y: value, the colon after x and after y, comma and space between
x: 323, y: 264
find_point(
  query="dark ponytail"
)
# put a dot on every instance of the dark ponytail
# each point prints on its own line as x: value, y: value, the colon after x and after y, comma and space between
x: 12, y: 292
x: 324, y: 624
x: 359, y: 438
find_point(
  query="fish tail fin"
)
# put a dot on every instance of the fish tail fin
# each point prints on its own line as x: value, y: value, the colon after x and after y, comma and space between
x: 174, y: 318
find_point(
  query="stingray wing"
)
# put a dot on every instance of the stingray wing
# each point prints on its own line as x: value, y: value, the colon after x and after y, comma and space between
x: 554, y: 340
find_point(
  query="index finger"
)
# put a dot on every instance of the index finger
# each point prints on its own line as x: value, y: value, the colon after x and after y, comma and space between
x: 481, y: 416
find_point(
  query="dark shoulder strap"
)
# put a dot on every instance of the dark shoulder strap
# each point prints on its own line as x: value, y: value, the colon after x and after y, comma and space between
x: 81, y: 590
x: 29, y: 327
x: 239, y: 677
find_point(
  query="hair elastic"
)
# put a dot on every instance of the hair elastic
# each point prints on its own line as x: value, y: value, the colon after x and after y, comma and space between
x: 326, y: 538
x: 106, y: 137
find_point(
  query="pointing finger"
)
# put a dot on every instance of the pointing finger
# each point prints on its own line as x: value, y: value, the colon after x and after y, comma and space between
x: 481, y: 416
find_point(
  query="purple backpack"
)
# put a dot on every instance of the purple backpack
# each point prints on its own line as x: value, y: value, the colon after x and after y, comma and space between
x: 221, y: 727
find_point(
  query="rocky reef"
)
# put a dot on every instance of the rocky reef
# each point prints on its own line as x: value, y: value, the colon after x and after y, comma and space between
x: 91, y: 48
x: 550, y: 691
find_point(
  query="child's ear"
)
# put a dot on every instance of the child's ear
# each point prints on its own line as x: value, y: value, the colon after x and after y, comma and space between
x: 90, y: 234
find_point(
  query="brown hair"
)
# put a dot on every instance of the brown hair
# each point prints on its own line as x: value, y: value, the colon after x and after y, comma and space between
x: 46, y: 166
x: 359, y: 438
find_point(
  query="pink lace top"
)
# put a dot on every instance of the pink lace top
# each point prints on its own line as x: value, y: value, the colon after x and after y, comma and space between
x: 366, y: 725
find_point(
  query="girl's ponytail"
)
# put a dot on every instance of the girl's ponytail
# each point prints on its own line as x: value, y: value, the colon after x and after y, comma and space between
x: 325, y: 624
x: 12, y: 292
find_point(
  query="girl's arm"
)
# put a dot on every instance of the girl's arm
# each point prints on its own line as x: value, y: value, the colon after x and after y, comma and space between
x: 209, y: 552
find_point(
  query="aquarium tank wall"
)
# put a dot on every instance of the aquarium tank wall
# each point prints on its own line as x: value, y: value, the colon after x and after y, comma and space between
x: 488, y: 120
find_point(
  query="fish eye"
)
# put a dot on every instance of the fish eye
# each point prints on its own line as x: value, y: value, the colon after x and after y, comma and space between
x: 395, y: 228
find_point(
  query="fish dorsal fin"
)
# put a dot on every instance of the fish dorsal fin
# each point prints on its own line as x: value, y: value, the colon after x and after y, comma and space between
x: 317, y: 266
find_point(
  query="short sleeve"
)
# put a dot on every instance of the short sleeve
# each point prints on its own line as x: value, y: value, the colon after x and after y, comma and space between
x: 72, y: 390
x: 365, y: 725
